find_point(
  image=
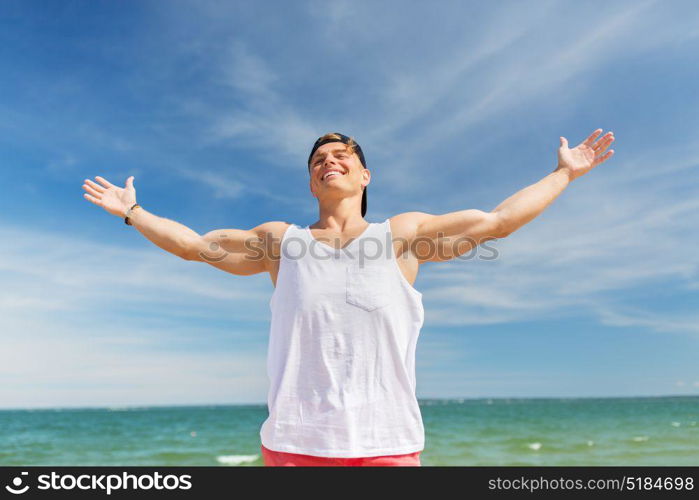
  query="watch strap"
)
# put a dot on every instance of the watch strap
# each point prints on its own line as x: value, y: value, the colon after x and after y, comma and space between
x: 128, y: 213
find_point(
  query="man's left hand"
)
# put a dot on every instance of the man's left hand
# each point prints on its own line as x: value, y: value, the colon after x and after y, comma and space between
x: 586, y: 155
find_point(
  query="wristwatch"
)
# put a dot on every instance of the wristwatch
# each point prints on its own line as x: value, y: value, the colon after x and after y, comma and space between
x: 128, y: 212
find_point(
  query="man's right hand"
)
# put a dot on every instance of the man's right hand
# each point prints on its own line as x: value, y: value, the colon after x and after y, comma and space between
x: 113, y: 199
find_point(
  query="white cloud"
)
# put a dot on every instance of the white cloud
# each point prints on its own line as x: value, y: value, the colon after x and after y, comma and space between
x: 585, y: 253
x: 619, y: 230
x: 220, y: 183
x: 556, y: 67
x: 94, y: 324
x: 57, y: 366
x: 658, y: 321
x: 267, y: 120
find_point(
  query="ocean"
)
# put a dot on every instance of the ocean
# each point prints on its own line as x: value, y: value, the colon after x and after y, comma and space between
x: 538, y: 432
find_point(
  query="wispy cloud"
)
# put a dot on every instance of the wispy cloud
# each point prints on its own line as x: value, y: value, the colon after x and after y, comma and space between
x: 74, y: 368
x: 460, y: 94
x: 45, y: 272
x: 266, y: 119
x: 584, y: 254
x: 122, y: 326
x: 658, y: 322
x: 453, y: 107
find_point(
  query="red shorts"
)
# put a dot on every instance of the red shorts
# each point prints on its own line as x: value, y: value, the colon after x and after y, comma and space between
x: 282, y: 459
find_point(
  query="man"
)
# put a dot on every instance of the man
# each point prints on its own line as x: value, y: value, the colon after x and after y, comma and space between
x: 345, y: 320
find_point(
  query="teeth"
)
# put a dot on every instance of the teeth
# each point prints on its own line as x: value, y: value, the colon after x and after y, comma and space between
x: 330, y: 173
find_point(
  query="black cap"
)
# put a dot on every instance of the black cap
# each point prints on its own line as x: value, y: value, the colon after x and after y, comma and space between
x: 357, y: 150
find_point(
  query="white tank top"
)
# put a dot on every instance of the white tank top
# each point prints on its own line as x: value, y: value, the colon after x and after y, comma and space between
x: 341, y: 358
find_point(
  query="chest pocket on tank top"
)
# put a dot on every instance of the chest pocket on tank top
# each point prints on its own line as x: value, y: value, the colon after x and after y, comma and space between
x: 367, y: 287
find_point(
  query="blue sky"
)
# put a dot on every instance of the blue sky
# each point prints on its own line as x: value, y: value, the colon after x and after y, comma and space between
x: 214, y: 106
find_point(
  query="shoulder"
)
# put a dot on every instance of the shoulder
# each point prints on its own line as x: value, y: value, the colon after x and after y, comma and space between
x: 406, y: 224
x: 274, y: 229
x: 270, y: 234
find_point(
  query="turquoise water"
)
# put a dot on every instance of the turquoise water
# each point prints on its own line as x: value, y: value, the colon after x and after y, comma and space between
x: 609, y: 431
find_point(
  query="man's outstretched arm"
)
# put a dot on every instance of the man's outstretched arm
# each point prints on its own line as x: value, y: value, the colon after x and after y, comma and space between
x: 169, y: 235
x: 439, y: 238
x: 235, y: 251
x: 525, y: 205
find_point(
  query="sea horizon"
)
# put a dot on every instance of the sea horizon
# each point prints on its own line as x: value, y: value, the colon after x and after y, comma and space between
x: 420, y: 400
x: 642, y: 430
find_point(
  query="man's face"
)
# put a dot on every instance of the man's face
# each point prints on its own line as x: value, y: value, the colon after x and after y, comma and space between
x: 350, y: 174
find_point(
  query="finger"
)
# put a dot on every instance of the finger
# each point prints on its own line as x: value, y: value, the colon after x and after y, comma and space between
x: 602, y: 147
x: 564, y: 142
x: 104, y: 182
x: 592, y: 137
x: 92, y: 199
x: 93, y: 192
x: 95, y: 186
x: 603, y: 143
x: 606, y: 137
x: 129, y: 182
x: 604, y: 157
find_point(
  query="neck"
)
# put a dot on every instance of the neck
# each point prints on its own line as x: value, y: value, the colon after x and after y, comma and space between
x: 340, y: 215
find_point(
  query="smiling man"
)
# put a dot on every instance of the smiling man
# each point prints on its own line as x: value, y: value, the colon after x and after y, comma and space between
x: 345, y: 315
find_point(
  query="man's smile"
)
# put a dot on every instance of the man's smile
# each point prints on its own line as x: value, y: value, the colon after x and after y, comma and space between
x: 331, y: 173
